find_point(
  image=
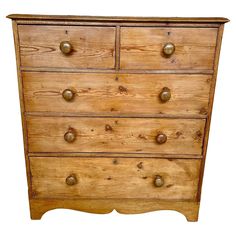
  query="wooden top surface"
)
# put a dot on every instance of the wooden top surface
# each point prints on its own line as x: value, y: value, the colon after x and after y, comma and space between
x: 119, y: 19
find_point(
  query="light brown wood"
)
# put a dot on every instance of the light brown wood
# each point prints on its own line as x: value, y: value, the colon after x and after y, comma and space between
x: 211, y: 100
x: 93, y: 47
x: 103, y: 206
x: 22, y: 103
x: 110, y: 94
x: 141, y: 48
x: 123, y: 115
x: 121, y: 24
x: 108, y: 71
x: 114, y: 178
x: 46, y: 134
x: 119, y: 18
x: 114, y: 155
x: 117, y: 66
x: 113, y: 146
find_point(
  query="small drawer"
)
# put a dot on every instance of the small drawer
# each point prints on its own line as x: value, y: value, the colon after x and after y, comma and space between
x: 67, y: 46
x: 167, y: 48
x: 110, y: 94
x: 65, y: 177
x: 125, y: 135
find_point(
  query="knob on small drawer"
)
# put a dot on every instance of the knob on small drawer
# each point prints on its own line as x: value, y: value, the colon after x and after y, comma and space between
x: 168, y: 49
x: 71, y: 180
x: 159, y: 181
x: 68, y: 95
x: 70, y: 136
x: 66, y: 47
x: 165, y: 94
x: 161, y: 138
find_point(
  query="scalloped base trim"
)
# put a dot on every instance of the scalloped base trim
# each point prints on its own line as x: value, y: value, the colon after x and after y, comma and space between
x: 103, y: 206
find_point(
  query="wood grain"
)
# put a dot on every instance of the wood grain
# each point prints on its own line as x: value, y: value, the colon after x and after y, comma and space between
x: 125, y: 206
x: 211, y: 100
x: 117, y: 41
x: 118, y: 18
x: 115, y: 157
x: 22, y: 103
x: 117, y: 94
x: 123, y: 115
x: 121, y: 24
x: 108, y: 71
x: 137, y: 135
x: 115, y: 178
x: 141, y: 48
x: 93, y: 47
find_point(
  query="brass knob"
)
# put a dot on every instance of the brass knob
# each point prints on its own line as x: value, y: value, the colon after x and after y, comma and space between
x: 168, y: 49
x: 165, y: 94
x: 68, y: 95
x: 70, y: 136
x: 161, y: 138
x: 159, y: 181
x: 66, y: 47
x: 71, y: 180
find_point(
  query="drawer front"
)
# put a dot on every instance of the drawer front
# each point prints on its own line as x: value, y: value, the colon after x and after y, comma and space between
x: 121, y: 135
x: 122, y: 94
x: 92, y: 47
x: 142, y: 48
x: 169, y: 179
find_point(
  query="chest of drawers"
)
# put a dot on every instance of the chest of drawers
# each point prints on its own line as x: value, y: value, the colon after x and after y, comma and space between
x: 116, y: 111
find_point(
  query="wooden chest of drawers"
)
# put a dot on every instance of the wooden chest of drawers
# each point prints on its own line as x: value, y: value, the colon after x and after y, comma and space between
x: 116, y: 111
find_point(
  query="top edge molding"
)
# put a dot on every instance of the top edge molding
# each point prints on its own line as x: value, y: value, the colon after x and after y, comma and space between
x: 119, y: 18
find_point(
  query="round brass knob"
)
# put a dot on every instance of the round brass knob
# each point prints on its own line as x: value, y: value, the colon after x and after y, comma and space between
x: 161, y: 138
x: 159, y: 182
x: 71, y: 180
x: 68, y: 95
x: 168, y: 49
x: 165, y: 94
x: 66, y: 47
x: 70, y: 136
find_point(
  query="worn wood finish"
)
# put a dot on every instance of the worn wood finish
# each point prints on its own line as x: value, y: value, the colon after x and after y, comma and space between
x: 117, y: 94
x: 115, y: 178
x: 117, y: 66
x: 113, y: 155
x: 141, y: 48
x: 121, y: 24
x: 111, y: 146
x: 22, y: 103
x: 103, y: 206
x: 184, y: 136
x: 108, y: 19
x: 93, y: 47
x: 117, y: 71
x: 123, y: 115
x: 211, y: 100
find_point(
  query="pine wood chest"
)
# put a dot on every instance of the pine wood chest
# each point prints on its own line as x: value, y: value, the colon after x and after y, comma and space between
x: 116, y: 110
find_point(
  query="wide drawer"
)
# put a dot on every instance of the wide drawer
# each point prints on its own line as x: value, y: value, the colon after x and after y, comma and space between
x: 132, y: 135
x: 142, y: 48
x: 92, y: 47
x: 170, y: 179
x: 110, y: 94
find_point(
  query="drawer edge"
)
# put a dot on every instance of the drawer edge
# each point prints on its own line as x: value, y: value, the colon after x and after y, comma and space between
x: 114, y: 155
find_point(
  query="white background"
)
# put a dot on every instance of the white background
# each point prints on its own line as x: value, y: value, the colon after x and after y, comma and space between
x: 218, y: 205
